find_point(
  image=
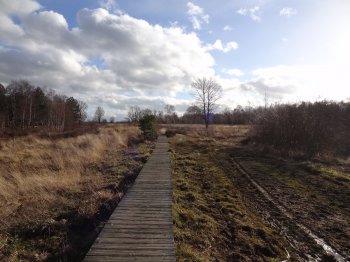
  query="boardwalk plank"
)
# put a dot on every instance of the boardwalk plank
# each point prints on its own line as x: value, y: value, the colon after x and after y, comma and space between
x: 136, y: 235
x: 140, y: 229
x: 108, y: 258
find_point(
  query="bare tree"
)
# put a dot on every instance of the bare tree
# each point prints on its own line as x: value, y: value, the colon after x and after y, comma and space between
x: 170, y: 116
x: 99, y: 113
x: 193, y: 115
x: 169, y: 109
x: 207, y: 93
x: 82, y: 111
x: 134, y: 114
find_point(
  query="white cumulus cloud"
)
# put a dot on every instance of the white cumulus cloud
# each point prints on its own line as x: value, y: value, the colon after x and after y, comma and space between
x: 110, y: 5
x: 18, y: 8
x: 227, y: 28
x: 253, y: 13
x: 197, y: 16
x: 233, y: 72
x: 295, y: 83
x: 229, y: 46
x: 288, y: 12
x: 108, y: 56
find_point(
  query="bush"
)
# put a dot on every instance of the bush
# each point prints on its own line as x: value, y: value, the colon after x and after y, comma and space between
x: 170, y: 133
x: 147, y: 125
x: 311, y: 128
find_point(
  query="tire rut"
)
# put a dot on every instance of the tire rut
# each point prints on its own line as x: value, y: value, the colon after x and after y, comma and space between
x: 305, y: 244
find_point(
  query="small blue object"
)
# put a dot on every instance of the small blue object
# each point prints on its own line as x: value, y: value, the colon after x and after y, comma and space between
x: 210, y: 117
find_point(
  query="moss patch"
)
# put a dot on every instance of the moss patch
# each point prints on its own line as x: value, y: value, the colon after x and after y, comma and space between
x: 212, y: 220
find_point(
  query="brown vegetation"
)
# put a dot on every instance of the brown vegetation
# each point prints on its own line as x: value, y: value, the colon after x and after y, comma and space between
x: 46, y: 184
x: 305, y: 129
x: 319, y: 128
x: 213, y: 222
x: 220, y: 215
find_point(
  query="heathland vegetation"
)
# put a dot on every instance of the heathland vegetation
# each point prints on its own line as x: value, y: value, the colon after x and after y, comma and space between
x: 307, y: 128
x: 55, y: 192
x: 235, y: 200
x: 61, y: 175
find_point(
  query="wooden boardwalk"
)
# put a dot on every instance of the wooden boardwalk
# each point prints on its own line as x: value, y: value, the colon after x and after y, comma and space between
x: 140, y: 229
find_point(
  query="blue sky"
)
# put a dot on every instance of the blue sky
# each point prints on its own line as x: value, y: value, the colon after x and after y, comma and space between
x: 254, y: 49
x: 130, y: 52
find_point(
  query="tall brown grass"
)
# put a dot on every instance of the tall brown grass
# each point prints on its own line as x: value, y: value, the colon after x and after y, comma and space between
x: 35, y: 172
x: 229, y: 133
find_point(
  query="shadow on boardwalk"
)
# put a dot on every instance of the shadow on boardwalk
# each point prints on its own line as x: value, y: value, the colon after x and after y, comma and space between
x: 140, y: 229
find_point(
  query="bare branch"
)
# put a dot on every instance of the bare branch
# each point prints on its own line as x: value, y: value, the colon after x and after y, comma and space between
x: 207, y: 93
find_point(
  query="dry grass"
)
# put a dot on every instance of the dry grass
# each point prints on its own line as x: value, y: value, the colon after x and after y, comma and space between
x: 35, y: 171
x: 219, y: 216
x: 212, y: 220
x: 227, y: 133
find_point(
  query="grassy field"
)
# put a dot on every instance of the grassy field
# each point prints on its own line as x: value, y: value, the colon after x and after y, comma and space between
x: 220, y: 216
x: 54, y: 193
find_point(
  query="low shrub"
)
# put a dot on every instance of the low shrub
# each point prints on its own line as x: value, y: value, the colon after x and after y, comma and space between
x: 147, y: 125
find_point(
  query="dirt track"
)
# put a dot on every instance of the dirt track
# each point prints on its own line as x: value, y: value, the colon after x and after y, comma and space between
x: 308, y: 207
x: 293, y: 229
x: 304, y: 205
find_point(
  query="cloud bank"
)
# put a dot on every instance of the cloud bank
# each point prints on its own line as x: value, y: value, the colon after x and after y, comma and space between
x: 108, y: 56
x: 115, y: 60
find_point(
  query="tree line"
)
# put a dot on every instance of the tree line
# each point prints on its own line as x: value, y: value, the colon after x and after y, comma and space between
x: 23, y: 105
x: 321, y: 127
x: 310, y: 128
x: 307, y: 127
x: 195, y: 115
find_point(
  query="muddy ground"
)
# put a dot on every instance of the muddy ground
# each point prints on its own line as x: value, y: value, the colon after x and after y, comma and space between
x: 68, y: 235
x: 221, y: 216
x: 316, y: 195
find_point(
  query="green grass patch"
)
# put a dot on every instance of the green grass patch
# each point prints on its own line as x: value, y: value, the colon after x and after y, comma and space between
x: 212, y: 221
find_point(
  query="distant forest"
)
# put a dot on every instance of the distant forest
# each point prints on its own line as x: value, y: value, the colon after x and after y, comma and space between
x: 23, y: 105
x: 321, y: 127
x: 306, y: 128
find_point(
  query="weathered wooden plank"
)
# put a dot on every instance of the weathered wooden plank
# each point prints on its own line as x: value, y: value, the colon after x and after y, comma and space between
x: 128, y: 240
x: 140, y: 209
x: 135, y: 252
x: 144, y: 219
x: 142, y: 212
x: 140, y: 229
x: 108, y: 258
x: 140, y: 235
x: 130, y: 214
x: 155, y: 221
x: 131, y: 247
x: 159, y: 230
x: 141, y: 217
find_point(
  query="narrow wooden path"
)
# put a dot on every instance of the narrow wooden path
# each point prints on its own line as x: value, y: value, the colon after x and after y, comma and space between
x: 140, y: 229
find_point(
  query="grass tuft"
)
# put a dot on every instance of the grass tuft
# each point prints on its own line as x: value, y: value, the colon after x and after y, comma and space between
x: 45, y: 182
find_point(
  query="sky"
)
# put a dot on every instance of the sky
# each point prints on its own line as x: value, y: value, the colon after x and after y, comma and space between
x: 123, y: 53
